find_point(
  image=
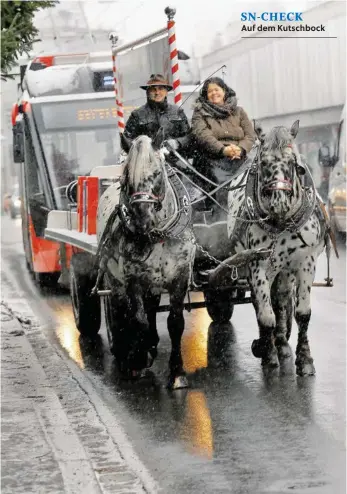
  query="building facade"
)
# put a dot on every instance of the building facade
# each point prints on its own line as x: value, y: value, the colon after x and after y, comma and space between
x: 298, y: 77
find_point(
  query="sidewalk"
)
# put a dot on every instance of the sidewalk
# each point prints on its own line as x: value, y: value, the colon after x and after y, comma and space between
x: 53, y: 440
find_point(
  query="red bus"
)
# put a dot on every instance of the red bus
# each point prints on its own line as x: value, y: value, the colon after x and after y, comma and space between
x: 64, y: 124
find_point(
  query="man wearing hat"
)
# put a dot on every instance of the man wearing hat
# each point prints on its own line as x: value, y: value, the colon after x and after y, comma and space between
x: 157, y: 113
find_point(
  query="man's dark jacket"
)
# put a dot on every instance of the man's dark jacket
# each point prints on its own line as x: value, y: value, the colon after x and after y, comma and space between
x: 149, y: 118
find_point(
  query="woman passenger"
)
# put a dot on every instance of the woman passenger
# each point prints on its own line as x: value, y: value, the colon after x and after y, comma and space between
x: 222, y: 132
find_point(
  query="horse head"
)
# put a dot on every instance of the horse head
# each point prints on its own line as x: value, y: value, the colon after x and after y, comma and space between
x: 144, y: 183
x: 278, y: 169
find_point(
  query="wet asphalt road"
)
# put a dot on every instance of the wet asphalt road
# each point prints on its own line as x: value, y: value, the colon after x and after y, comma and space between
x: 237, y: 429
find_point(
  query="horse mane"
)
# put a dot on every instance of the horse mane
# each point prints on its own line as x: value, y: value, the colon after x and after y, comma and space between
x: 141, y: 156
x: 278, y: 138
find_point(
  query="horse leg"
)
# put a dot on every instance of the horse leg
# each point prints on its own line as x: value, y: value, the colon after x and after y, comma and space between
x: 264, y: 347
x: 304, y: 361
x: 290, y: 314
x: 151, y: 305
x: 281, y: 293
x: 138, y: 331
x: 175, y: 324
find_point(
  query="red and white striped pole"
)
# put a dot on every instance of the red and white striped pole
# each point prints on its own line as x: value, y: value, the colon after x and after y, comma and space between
x: 119, y: 104
x: 173, y: 54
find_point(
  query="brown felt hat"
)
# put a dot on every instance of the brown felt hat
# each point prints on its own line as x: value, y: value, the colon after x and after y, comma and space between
x: 157, y: 80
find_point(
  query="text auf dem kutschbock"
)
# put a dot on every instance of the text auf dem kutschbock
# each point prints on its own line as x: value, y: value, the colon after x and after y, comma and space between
x: 292, y: 20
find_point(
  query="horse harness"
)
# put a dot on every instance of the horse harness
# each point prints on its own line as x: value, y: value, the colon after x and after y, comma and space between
x: 174, y: 225
x: 172, y: 229
x: 252, y: 211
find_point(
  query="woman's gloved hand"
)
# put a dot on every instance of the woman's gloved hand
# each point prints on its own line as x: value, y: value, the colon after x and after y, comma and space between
x: 232, y: 151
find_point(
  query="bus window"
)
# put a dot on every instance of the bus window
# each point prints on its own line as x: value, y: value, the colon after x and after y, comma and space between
x: 76, y: 136
x: 75, y: 152
x: 33, y: 190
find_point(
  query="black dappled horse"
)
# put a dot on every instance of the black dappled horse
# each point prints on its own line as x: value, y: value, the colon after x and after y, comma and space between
x: 143, y: 257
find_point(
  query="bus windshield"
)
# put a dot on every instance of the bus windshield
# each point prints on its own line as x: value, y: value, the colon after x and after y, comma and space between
x: 76, y: 136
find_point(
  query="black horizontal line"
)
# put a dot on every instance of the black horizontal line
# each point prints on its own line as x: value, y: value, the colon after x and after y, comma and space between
x: 294, y: 37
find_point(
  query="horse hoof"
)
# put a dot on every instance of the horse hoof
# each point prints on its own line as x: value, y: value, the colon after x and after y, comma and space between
x: 284, y: 351
x: 272, y: 363
x: 305, y: 369
x: 132, y: 375
x: 136, y: 374
x: 258, y: 349
x: 179, y: 382
x: 271, y: 360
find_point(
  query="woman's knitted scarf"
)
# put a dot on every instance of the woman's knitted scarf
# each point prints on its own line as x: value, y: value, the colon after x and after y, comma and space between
x: 220, y: 111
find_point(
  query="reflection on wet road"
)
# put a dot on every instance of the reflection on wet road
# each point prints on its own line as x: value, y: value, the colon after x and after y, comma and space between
x: 68, y: 335
x: 194, y: 345
x: 238, y: 428
x: 196, y: 429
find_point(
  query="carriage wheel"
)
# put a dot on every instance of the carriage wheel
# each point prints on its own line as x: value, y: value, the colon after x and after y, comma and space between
x: 218, y: 306
x: 86, y: 307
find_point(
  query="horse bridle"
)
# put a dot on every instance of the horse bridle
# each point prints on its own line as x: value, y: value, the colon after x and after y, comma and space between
x: 146, y: 197
x: 280, y: 184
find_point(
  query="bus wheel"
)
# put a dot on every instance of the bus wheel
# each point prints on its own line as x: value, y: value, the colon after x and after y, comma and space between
x: 86, y: 307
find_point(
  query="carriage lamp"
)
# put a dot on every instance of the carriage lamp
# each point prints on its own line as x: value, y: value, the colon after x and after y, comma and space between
x: 170, y: 12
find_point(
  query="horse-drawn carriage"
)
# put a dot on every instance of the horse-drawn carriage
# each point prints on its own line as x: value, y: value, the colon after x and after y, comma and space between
x: 136, y: 241
x: 138, y: 231
x: 133, y: 238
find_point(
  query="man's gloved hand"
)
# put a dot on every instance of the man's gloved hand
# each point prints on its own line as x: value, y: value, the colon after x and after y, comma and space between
x: 171, y: 144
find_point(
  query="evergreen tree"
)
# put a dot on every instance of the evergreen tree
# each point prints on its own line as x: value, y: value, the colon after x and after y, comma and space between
x: 18, y: 32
